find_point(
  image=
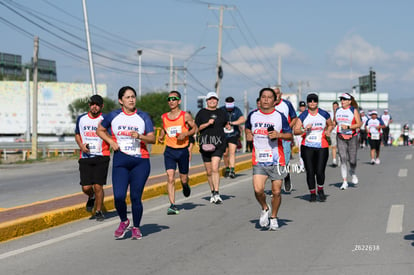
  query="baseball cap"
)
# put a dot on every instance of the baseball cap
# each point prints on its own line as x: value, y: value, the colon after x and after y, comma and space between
x: 302, y: 104
x: 212, y: 94
x: 386, y: 110
x: 373, y: 112
x: 311, y: 97
x: 96, y: 99
x: 345, y: 96
x: 229, y: 99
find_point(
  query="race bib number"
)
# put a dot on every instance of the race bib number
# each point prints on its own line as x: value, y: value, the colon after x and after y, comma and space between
x: 130, y: 146
x: 264, y: 155
x: 314, y: 137
x: 375, y: 136
x: 94, y: 147
x: 173, y: 131
x: 229, y: 131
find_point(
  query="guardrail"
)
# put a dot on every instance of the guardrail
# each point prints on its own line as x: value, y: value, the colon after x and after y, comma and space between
x: 47, y: 149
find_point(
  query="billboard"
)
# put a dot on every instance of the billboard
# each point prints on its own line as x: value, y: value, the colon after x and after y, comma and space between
x: 54, y: 98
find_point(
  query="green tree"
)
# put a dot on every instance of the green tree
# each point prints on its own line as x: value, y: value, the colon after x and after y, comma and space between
x: 155, y: 104
x: 80, y: 106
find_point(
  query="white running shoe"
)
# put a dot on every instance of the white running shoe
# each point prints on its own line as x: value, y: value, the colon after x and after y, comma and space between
x: 344, y: 185
x: 273, y: 224
x: 377, y: 161
x: 334, y: 163
x: 354, y: 179
x: 213, y: 199
x: 372, y: 161
x: 264, y: 217
x: 218, y: 199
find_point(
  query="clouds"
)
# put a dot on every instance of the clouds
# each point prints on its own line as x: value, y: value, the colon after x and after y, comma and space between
x: 361, y: 52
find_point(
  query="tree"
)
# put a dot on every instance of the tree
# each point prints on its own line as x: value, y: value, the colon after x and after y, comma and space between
x: 80, y: 106
x: 155, y: 104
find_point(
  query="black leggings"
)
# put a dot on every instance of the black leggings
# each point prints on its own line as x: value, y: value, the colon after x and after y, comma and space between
x: 315, y: 160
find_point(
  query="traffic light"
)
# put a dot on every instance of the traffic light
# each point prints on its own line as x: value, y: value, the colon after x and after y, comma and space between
x: 200, y: 103
x: 372, y: 81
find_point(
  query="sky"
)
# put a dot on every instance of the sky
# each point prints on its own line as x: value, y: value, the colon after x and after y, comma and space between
x: 323, y: 46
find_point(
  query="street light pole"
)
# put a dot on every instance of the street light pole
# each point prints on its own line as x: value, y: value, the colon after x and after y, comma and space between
x: 139, y: 74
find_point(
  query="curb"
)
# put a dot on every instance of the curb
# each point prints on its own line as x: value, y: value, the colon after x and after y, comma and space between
x: 28, y: 225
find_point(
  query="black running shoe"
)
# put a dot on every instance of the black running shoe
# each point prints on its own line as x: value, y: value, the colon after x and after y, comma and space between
x: 287, y: 184
x: 312, y: 198
x: 322, y: 196
x: 99, y: 216
x: 173, y: 210
x: 232, y: 174
x: 186, y: 189
x: 227, y: 172
x: 90, y: 204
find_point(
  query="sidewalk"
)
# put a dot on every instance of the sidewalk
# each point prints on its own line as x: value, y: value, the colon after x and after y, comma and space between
x: 18, y: 221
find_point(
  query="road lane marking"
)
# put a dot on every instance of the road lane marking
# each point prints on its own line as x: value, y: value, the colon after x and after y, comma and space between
x: 395, y: 219
x: 409, y: 156
x: 402, y: 172
x: 106, y: 223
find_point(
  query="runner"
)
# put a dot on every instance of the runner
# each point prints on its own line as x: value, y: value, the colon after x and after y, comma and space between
x: 347, y: 122
x: 175, y: 130
x: 268, y: 128
x: 131, y: 130
x: 373, y: 128
x: 232, y: 131
x: 94, y: 156
x: 212, y: 140
x: 363, y: 133
x: 314, y: 125
x: 335, y: 158
x: 285, y: 107
x: 387, y: 119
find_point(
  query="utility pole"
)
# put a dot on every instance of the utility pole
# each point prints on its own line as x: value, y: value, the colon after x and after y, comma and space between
x: 171, y: 73
x: 27, y: 104
x: 220, y: 36
x: 139, y: 74
x: 279, y: 72
x: 34, y: 107
x: 88, y: 40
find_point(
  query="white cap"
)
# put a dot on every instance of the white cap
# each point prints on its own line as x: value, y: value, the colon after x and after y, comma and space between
x: 373, y: 113
x: 345, y: 96
x: 211, y: 94
x: 386, y: 110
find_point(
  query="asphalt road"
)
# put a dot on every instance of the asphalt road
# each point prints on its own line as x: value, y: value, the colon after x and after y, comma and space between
x: 28, y: 183
x: 367, y: 229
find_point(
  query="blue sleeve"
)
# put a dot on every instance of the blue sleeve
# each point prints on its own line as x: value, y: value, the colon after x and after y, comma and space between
x: 248, y: 124
x: 107, y: 119
x: 325, y: 114
x: 238, y: 112
x: 381, y: 122
x: 77, y: 131
x: 303, y: 115
x: 285, y: 125
x: 292, y: 112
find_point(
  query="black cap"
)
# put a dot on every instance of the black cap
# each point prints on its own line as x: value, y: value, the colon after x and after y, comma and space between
x: 96, y: 99
x: 311, y: 97
x: 302, y: 104
x: 229, y: 99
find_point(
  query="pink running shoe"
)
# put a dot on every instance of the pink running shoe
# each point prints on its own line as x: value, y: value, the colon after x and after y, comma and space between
x: 120, y: 232
x: 136, y: 234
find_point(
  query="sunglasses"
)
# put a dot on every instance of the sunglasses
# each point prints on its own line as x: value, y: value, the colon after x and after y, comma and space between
x: 172, y: 98
x: 312, y: 100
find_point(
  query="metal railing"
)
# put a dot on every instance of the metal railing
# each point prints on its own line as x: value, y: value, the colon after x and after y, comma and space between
x: 47, y: 148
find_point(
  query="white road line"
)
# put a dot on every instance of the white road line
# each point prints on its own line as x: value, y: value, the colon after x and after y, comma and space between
x: 104, y: 224
x: 402, y: 172
x: 409, y: 156
x: 395, y: 219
